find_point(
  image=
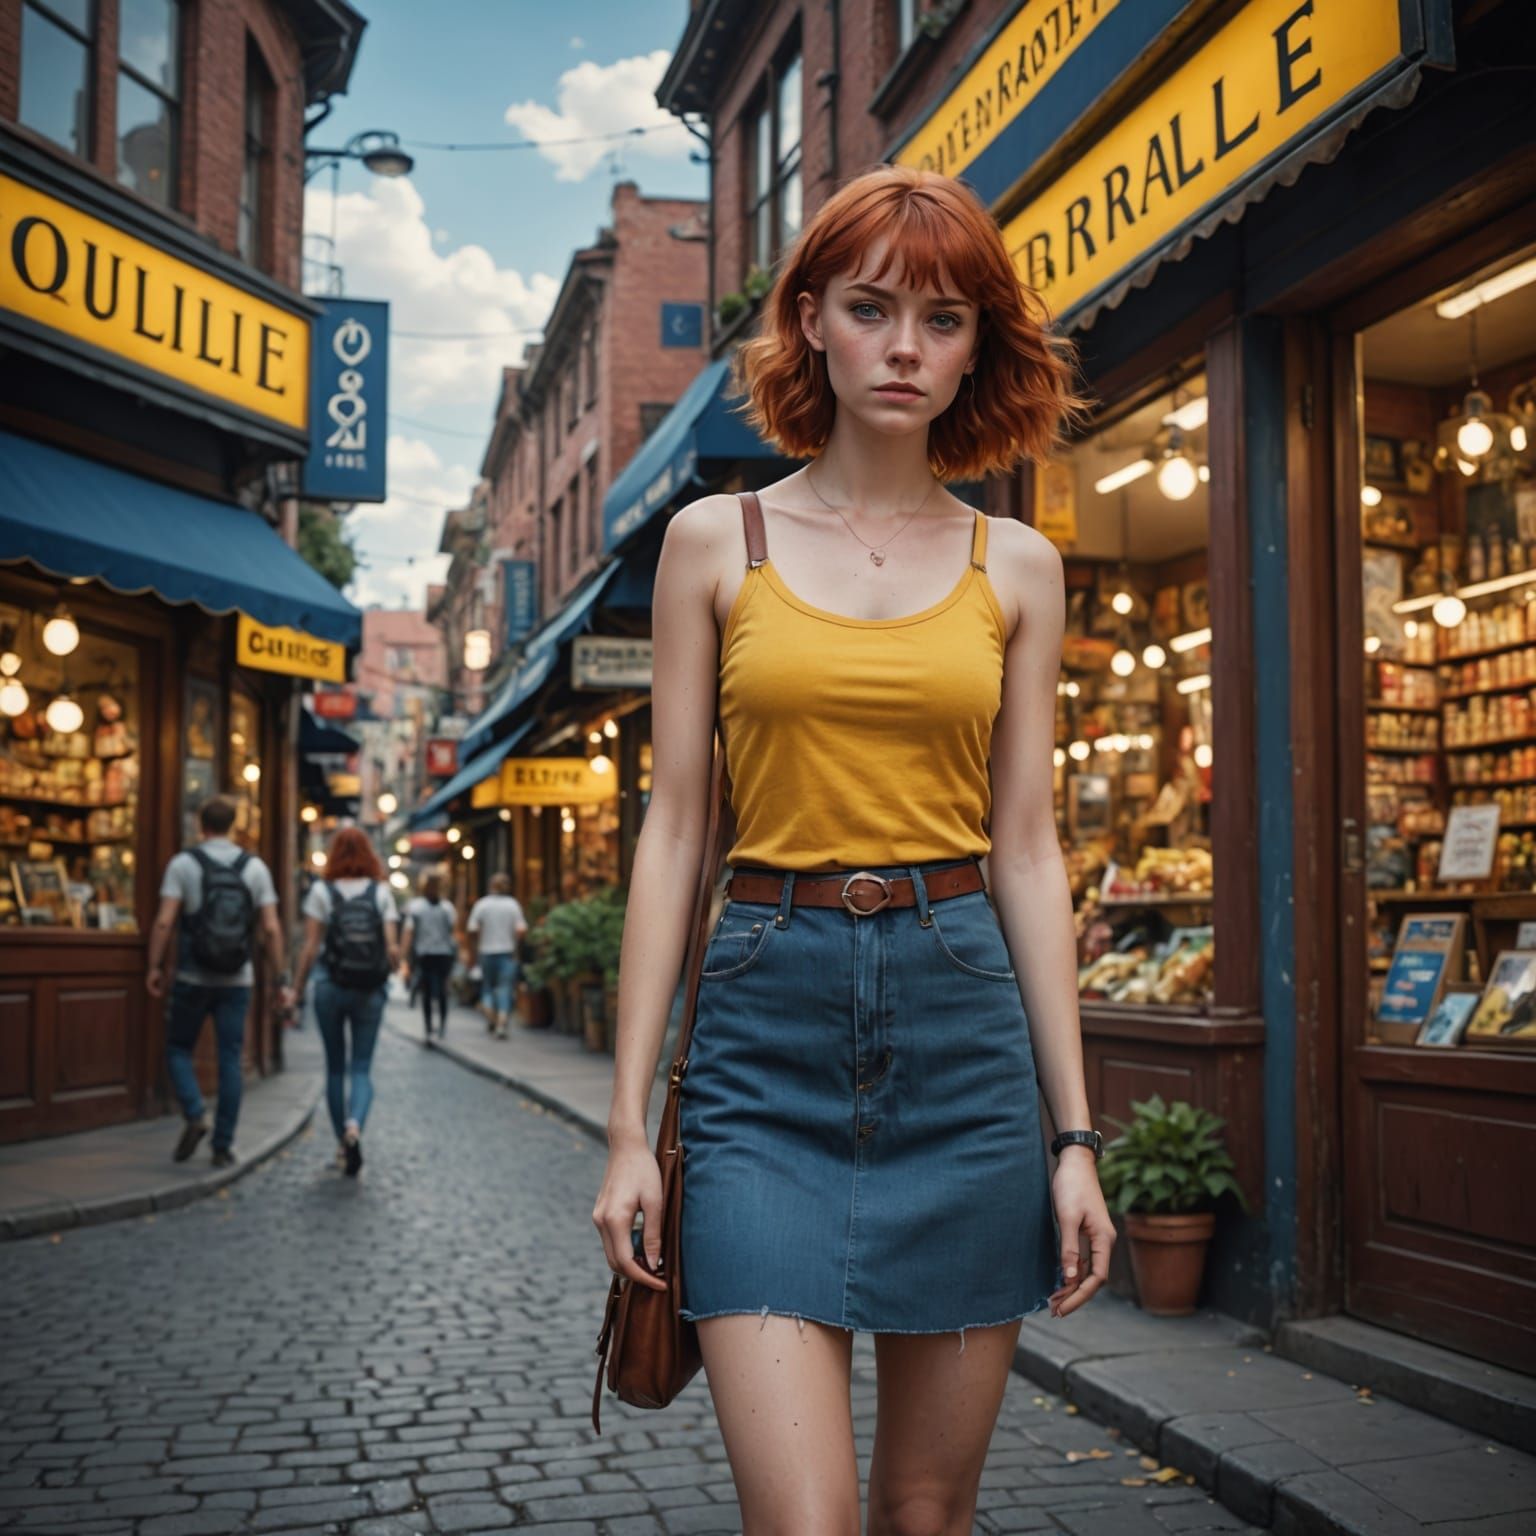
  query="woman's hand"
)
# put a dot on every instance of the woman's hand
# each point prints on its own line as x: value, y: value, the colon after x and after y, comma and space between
x: 632, y: 1182
x: 1084, y: 1221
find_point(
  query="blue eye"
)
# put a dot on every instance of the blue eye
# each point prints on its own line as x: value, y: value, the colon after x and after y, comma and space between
x: 862, y: 305
x: 953, y: 320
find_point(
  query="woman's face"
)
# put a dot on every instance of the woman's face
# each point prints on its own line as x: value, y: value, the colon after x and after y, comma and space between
x: 896, y: 355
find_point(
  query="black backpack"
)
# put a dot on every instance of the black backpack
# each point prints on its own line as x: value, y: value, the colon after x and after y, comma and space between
x: 356, y: 955
x: 219, y: 932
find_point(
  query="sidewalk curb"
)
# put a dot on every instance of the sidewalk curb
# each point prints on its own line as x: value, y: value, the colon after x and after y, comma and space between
x: 597, y: 1131
x: 36, y: 1220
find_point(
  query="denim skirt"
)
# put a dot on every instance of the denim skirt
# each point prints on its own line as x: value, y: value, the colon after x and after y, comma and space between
x: 860, y: 1131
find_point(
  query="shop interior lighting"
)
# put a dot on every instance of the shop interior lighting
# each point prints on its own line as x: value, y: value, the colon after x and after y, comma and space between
x: 317, y: 858
x: 1059, y: 757
x: 1370, y: 496
x: 1177, y: 476
x: 1411, y: 629
x: 610, y: 728
x: 10, y: 662
x: 395, y: 861
x: 601, y: 763
x: 467, y: 852
x: 1068, y: 689
x: 1154, y: 657
x: 1122, y: 663
x: 1372, y: 644
x: 64, y: 715
x: 1448, y: 611
x: 1203, y: 754
x: 594, y: 738
x: 567, y: 823
x: 453, y: 834
x: 1194, y: 684
x: 1472, y: 589
x: 402, y: 845
x: 251, y: 773
x: 1079, y: 751
x: 14, y: 698
x: 1123, y: 477
x: 61, y: 634
x: 310, y: 813
x: 388, y: 803
x: 477, y: 650
x: 504, y: 814
x: 1122, y: 602
x: 399, y: 881
x: 1190, y: 416
x: 1188, y: 641
x: 1487, y: 291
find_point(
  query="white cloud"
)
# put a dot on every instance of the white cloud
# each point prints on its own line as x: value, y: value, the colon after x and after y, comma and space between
x: 597, y: 99
x: 385, y: 247
x: 397, y: 539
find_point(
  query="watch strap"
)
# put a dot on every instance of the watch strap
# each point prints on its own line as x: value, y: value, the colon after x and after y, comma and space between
x: 1078, y: 1139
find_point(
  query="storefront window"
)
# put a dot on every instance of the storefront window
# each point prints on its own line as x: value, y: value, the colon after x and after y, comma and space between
x: 1129, y: 510
x: 69, y: 774
x: 245, y: 765
x: 1448, y: 574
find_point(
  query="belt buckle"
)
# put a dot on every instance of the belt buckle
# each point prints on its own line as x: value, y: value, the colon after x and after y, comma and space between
x: 885, y: 893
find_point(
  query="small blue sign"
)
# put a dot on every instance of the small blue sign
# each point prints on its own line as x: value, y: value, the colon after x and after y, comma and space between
x: 348, y: 402
x: 520, y: 596
x: 682, y: 325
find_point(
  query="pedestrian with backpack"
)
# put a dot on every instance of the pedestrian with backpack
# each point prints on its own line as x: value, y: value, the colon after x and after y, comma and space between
x: 221, y: 899
x: 350, y: 923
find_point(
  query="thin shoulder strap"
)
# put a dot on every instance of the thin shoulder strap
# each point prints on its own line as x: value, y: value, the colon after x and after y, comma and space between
x: 979, y: 543
x: 752, y: 521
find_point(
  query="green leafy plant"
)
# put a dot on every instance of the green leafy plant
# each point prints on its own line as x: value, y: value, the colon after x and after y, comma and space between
x: 729, y: 306
x: 757, y: 283
x: 577, y: 938
x: 1170, y: 1159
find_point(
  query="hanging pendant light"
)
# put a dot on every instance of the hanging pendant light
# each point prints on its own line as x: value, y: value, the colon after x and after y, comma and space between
x: 61, y: 634
x: 1123, y: 662
x: 13, y: 697
x: 64, y: 715
x: 1154, y: 657
x: 1479, y: 441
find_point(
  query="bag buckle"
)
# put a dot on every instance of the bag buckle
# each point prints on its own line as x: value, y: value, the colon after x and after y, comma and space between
x: 675, y: 1076
x: 864, y: 875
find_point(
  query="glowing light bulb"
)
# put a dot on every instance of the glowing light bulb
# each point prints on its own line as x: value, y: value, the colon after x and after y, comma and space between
x: 1079, y: 751
x: 602, y: 763
x: 1059, y: 757
x: 402, y: 845
x: 1467, y: 469
x: 61, y: 634
x: 10, y: 664
x: 610, y: 728
x: 13, y: 697
x: 477, y: 650
x: 453, y: 834
x: 1411, y: 629
x: 1474, y: 437
x: 594, y: 738
x: 399, y: 881
x: 568, y: 824
x: 467, y: 851
x: 1154, y: 656
x: 317, y: 858
x: 251, y: 773
x: 395, y: 861
x: 1372, y: 644
x: 1449, y: 611
x: 1176, y: 478
x: 1370, y: 496
x: 1517, y: 438
x: 388, y: 803
x: 1203, y: 755
x: 64, y: 715
x: 1122, y: 663
x: 310, y: 813
x: 1122, y: 602
x: 504, y: 814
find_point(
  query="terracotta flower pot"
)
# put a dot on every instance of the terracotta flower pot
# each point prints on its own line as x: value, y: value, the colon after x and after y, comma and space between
x: 1168, y: 1259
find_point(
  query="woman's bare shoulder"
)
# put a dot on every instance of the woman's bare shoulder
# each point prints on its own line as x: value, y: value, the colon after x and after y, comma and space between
x: 706, y: 525
x: 1025, y: 569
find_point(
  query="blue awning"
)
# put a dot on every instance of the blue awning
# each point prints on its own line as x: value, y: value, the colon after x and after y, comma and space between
x: 472, y: 773
x: 75, y: 517
x: 539, y: 658
x: 703, y: 424
x: 317, y: 739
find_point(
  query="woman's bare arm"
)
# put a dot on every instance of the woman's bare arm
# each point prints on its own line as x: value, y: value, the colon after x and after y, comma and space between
x: 695, y: 550
x: 1030, y: 887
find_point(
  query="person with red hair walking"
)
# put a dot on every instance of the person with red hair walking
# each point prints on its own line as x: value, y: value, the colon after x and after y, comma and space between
x: 350, y: 922
x: 878, y: 1012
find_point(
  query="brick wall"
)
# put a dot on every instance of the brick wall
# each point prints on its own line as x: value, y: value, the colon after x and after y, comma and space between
x: 212, y: 144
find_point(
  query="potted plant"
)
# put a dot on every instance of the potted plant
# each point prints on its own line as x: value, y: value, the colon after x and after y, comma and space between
x: 1164, y: 1173
x: 533, y: 997
x: 610, y: 936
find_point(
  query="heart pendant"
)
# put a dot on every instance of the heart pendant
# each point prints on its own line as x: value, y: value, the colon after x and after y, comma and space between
x: 878, y: 556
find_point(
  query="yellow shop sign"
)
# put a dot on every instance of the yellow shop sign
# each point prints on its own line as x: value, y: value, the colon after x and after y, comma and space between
x: 545, y: 781
x: 1010, y: 73
x: 70, y: 272
x: 1248, y: 94
x: 271, y: 648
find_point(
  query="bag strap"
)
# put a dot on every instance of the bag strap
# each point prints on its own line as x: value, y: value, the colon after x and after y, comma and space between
x: 752, y: 519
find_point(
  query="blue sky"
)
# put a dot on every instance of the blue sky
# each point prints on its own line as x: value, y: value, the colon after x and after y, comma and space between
x: 471, y: 247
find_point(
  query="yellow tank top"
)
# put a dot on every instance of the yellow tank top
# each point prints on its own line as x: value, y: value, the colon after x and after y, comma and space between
x: 853, y: 742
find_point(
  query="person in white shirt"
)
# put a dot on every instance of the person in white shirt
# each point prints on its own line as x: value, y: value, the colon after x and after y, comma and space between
x: 431, y: 941
x: 498, y: 925
x: 353, y: 913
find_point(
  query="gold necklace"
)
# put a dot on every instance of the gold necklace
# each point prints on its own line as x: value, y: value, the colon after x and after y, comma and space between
x: 876, y: 551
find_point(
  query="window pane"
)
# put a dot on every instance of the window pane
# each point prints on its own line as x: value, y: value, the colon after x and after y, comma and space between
x: 789, y: 110
x: 148, y: 39
x: 76, y: 12
x: 146, y: 141
x: 244, y: 762
x: 789, y: 206
x: 763, y: 154
x: 69, y: 798
x: 762, y: 237
x: 906, y: 24
x: 55, y: 83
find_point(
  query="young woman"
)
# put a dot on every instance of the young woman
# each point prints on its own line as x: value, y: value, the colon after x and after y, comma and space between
x: 859, y: 1124
x: 431, y: 941
x: 350, y: 922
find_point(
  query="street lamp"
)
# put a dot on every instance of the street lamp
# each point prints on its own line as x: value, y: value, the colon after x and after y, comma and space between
x: 378, y: 150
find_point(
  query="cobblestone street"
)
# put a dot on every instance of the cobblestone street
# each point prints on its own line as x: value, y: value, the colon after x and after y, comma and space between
x: 413, y: 1353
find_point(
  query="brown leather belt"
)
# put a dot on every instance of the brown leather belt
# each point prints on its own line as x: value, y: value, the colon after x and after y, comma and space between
x: 860, y: 893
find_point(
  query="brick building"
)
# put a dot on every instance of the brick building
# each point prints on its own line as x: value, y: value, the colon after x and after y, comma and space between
x: 153, y: 405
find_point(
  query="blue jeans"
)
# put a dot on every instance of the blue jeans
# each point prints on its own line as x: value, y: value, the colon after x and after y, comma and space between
x: 189, y: 1006
x: 335, y: 1008
x: 498, y: 982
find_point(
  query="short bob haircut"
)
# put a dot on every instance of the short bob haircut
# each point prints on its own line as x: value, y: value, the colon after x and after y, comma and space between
x: 352, y: 857
x: 938, y: 234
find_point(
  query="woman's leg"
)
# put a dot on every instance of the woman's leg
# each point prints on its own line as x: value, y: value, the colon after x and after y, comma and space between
x: 333, y: 1035
x: 367, y: 1015
x: 937, y: 1407
x: 440, y: 967
x: 421, y: 979
x: 781, y: 1393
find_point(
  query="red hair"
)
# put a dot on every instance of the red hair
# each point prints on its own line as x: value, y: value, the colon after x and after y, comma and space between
x: 352, y: 857
x: 939, y: 234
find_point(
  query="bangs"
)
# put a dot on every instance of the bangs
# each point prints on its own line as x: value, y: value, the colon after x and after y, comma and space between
x: 937, y: 235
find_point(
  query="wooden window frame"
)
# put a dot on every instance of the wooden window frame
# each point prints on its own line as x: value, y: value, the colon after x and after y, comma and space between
x: 761, y: 202
x: 176, y: 103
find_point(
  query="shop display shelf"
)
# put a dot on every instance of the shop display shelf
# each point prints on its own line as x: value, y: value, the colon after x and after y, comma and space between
x: 1525, y: 739
x: 1402, y: 709
x: 1492, y: 650
x: 62, y: 805
x: 1402, y: 749
x: 1486, y: 783
x: 1520, y: 686
x: 1402, y: 546
x: 74, y: 842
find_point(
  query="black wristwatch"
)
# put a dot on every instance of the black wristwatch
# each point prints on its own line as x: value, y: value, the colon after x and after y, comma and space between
x: 1079, y: 1139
